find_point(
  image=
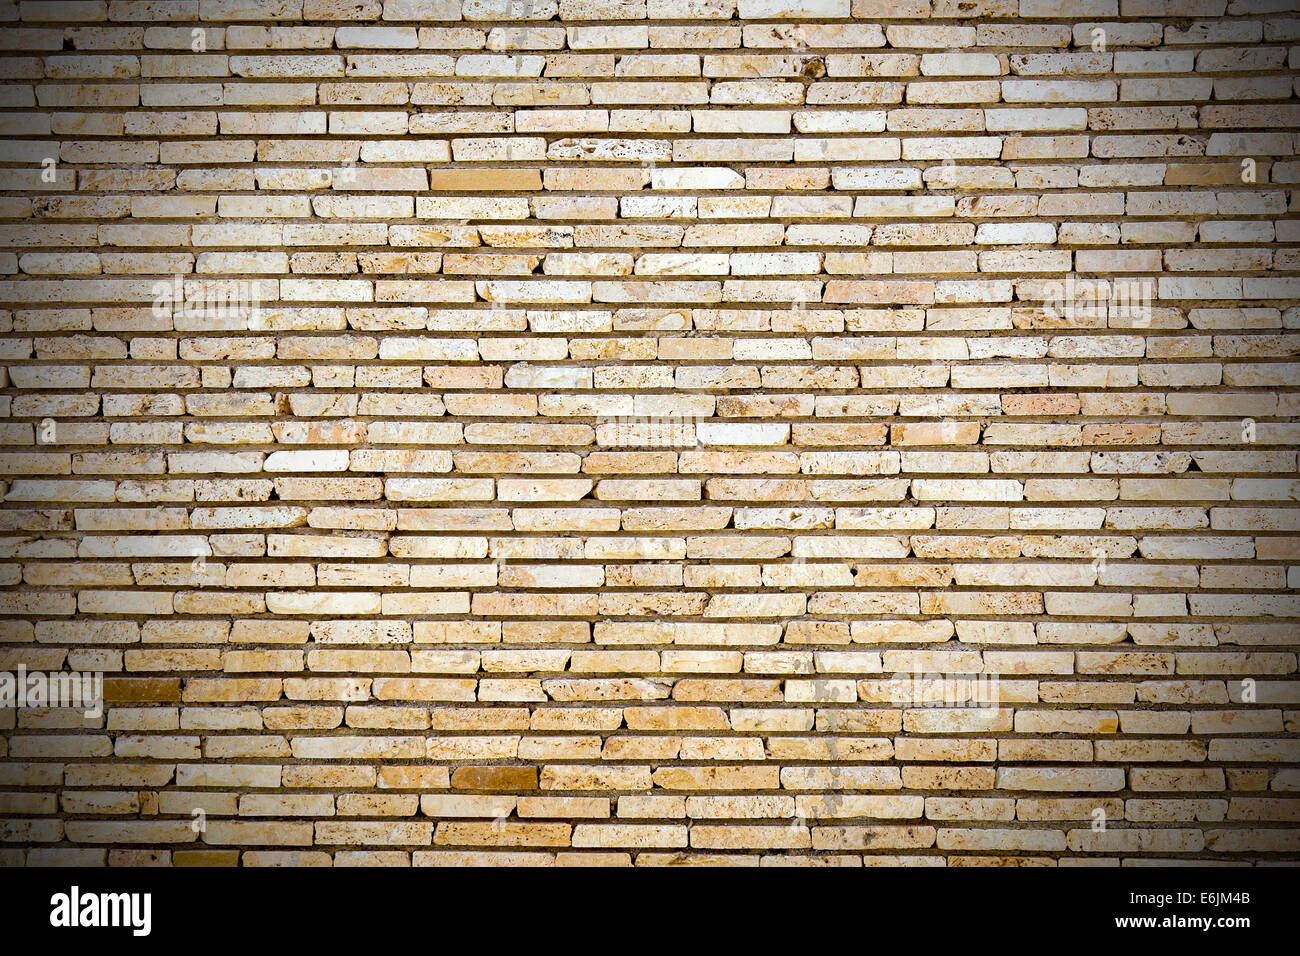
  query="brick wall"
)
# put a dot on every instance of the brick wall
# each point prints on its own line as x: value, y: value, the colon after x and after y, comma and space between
x: 651, y: 431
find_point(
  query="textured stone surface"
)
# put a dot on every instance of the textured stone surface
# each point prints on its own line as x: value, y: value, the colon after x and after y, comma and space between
x: 529, y: 432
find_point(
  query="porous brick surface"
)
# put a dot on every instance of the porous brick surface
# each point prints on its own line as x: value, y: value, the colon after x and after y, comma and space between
x: 759, y: 432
